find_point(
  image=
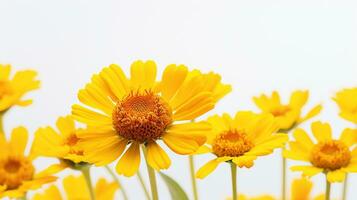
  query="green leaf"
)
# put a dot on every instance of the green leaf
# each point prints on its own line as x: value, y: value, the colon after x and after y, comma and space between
x: 176, y: 191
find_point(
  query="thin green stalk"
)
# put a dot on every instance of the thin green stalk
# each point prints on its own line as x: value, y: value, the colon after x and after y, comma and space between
x: 328, y: 189
x: 142, y: 183
x: 152, y: 178
x: 234, y: 181
x: 345, y: 188
x: 193, y: 178
x: 283, y: 181
x: 86, y: 173
x: 116, y: 179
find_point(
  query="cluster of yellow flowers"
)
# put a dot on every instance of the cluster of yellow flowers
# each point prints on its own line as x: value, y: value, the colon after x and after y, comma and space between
x: 120, y: 117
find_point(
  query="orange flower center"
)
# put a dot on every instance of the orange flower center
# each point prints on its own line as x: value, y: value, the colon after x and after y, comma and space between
x: 5, y: 88
x: 280, y: 111
x: 330, y: 155
x: 231, y: 143
x: 141, y: 116
x: 14, y: 170
x: 72, y: 141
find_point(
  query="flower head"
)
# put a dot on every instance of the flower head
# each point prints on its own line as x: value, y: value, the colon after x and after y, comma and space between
x: 301, y: 190
x: 122, y: 112
x: 288, y: 115
x: 16, y: 169
x: 328, y: 155
x: 347, y: 102
x: 62, y: 144
x: 12, y: 90
x: 241, y: 139
x: 76, y: 188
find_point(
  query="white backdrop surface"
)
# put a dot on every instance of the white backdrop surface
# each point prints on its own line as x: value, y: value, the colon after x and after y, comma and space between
x: 257, y: 46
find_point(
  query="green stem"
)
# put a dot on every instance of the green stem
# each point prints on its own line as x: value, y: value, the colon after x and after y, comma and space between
x: 193, y: 178
x: 142, y: 183
x: 345, y: 188
x: 328, y: 189
x: 116, y: 179
x: 86, y: 173
x: 152, y: 178
x: 283, y: 181
x: 234, y: 181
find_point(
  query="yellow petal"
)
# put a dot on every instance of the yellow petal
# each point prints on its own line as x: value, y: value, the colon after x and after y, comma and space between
x: 89, y: 117
x: 72, y: 185
x: 18, y: 140
x: 143, y: 75
x: 336, y: 176
x: 156, y: 156
x: 267, y: 146
x: 244, y: 161
x: 181, y: 144
x: 51, y: 170
x: 172, y: 78
x: 184, y: 112
x: 65, y: 125
x: 4, y: 72
x: 192, y: 130
x: 48, y: 143
x: 95, y: 97
x: 209, y: 167
x: 298, y: 98
x: 129, y: 163
x: 349, y: 136
x: 301, y: 189
x: 312, y: 113
x: 105, y: 190
x: 321, y: 131
x: 50, y: 193
x: 115, y: 78
x: 302, y: 137
x: 307, y: 170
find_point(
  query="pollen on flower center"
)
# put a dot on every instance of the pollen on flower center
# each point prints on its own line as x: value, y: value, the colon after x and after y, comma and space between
x: 330, y: 155
x: 141, y: 116
x: 280, y: 111
x: 14, y: 170
x: 231, y: 143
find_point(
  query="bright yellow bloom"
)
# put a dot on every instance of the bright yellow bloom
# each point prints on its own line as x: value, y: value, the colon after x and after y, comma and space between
x: 241, y: 140
x: 12, y: 90
x: 347, y: 102
x: 301, y: 190
x: 244, y: 197
x: 288, y: 115
x: 121, y: 111
x: 17, y: 173
x: 333, y: 157
x: 60, y: 144
x: 76, y: 189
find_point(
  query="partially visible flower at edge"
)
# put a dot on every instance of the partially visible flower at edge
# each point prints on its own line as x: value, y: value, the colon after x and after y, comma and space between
x: 16, y: 169
x: 347, y: 101
x: 288, y: 115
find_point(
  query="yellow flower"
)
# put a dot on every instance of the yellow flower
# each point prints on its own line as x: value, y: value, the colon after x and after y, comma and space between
x: 244, y: 197
x: 76, y: 189
x: 241, y: 140
x: 333, y: 157
x: 347, y: 102
x: 12, y: 90
x: 17, y: 173
x: 62, y: 144
x: 121, y: 111
x: 301, y: 190
x: 288, y: 115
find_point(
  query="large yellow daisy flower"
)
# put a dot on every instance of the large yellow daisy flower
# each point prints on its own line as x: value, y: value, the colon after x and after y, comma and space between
x: 328, y: 155
x: 12, y: 90
x: 288, y: 115
x: 121, y: 111
x: 17, y: 173
x: 76, y: 189
x: 241, y: 139
x: 347, y: 102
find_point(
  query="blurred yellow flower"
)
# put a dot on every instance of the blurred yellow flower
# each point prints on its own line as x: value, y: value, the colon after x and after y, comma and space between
x: 76, y: 189
x: 333, y: 157
x: 17, y: 173
x: 301, y: 190
x: 12, y: 90
x: 244, y: 197
x: 347, y: 102
x: 121, y: 111
x: 288, y: 115
x: 60, y: 144
x: 241, y: 140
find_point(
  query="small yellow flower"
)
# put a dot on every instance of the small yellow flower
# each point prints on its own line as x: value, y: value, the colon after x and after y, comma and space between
x: 241, y: 140
x: 12, y: 90
x: 333, y: 157
x: 301, y: 190
x: 76, y: 189
x: 17, y: 173
x: 62, y: 144
x: 245, y: 197
x: 288, y: 115
x: 140, y: 111
x: 347, y: 102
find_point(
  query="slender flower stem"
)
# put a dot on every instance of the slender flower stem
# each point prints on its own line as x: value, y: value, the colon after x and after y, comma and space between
x: 116, y: 179
x: 142, y: 183
x: 234, y: 181
x: 86, y: 173
x: 345, y: 188
x: 283, y: 181
x: 152, y: 178
x: 328, y: 189
x: 193, y: 178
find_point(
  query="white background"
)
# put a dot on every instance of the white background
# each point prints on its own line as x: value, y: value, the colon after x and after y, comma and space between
x: 256, y: 45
